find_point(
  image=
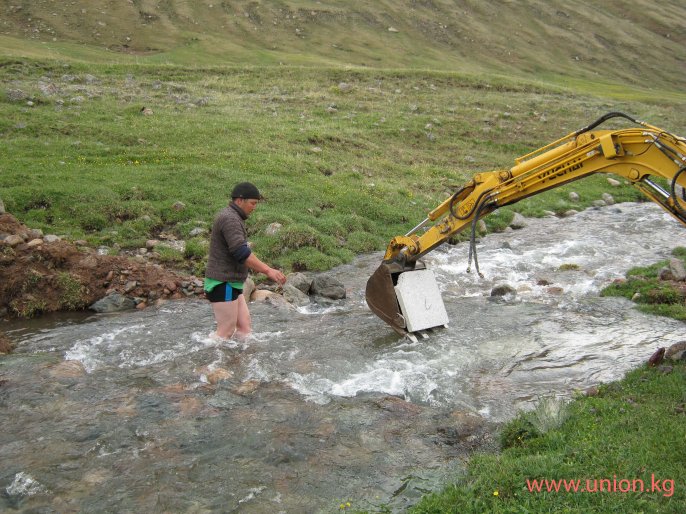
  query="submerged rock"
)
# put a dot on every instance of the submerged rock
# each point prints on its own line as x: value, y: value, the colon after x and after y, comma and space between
x: 503, y: 290
x: 6, y: 346
x: 114, y: 302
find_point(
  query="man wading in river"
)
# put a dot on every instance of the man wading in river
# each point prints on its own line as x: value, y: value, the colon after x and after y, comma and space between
x: 228, y: 263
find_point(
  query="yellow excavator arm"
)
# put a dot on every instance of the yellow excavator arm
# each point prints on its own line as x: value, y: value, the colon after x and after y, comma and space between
x: 651, y: 159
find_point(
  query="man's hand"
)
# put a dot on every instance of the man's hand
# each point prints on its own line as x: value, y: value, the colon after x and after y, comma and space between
x: 276, y: 276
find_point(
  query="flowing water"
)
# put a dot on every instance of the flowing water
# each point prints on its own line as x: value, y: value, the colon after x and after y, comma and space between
x: 325, y: 405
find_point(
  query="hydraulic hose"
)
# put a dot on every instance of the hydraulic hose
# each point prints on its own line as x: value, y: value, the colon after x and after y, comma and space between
x: 604, y: 118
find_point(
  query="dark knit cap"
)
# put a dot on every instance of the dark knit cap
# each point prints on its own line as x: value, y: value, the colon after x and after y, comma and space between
x: 246, y: 190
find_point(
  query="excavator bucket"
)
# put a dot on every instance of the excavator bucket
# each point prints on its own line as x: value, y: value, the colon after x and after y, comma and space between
x: 381, y: 299
x: 408, y: 301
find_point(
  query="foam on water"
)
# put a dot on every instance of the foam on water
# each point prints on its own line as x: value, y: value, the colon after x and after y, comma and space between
x: 122, y: 348
x: 24, y: 485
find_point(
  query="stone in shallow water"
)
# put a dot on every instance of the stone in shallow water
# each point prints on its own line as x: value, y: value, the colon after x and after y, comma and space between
x: 114, y: 302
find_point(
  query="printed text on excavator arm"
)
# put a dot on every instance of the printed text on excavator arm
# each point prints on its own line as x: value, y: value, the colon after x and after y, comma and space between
x: 649, y: 158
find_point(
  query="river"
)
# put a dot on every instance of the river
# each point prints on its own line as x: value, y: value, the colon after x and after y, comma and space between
x: 144, y: 412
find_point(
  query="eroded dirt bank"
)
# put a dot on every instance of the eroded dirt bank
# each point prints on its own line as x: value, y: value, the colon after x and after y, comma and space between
x: 41, y: 274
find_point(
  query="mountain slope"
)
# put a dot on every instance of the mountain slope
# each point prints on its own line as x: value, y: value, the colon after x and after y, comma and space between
x: 638, y: 44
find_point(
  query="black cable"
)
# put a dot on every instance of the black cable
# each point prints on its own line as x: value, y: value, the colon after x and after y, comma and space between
x: 603, y: 119
x: 472, y: 240
x: 453, y: 200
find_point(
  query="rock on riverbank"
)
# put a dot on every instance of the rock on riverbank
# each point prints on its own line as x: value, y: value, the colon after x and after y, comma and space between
x: 40, y: 274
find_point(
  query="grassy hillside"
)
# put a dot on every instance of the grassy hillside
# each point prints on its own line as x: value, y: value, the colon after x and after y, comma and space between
x: 638, y: 44
x: 356, y: 118
x: 347, y: 158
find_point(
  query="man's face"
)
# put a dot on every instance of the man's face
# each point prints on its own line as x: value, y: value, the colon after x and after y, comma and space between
x: 246, y: 204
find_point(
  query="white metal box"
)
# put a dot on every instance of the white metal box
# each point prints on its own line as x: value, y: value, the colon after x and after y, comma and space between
x: 420, y: 300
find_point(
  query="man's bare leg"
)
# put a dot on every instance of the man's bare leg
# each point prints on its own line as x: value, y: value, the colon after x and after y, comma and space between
x: 243, y: 320
x: 226, y: 315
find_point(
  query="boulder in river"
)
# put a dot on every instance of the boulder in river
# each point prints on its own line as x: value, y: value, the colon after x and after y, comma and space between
x: 6, y: 346
x: 328, y: 287
x: 295, y: 296
x: 114, y: 302
x: 300, y: 281
x: 503, y: 289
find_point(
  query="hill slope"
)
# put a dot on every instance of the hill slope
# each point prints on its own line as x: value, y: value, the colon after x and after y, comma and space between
x: 637, y: 44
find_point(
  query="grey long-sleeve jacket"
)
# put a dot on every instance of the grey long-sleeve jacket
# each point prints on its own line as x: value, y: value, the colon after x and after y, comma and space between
x: 228, y: 246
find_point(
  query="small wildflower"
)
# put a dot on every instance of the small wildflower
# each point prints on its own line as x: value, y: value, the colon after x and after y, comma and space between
x: 495, y: 493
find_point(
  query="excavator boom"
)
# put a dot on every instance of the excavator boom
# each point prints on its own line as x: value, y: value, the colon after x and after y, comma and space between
x: 651, y: 159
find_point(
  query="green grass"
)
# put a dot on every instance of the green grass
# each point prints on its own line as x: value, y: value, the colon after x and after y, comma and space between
x: 652, y: 295
x: 632, y: 432
x: 343, y: 169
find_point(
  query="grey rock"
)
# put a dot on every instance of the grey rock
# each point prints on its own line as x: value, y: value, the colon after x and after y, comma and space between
x: 613, y: 182
x: 199, y: 231
x: 16, y: 95
x: 224, y: 399
x: 248, y: 288
x: 273, y: 229
x: 518, y: 221
x: 300, y: 281
x: 51, y: 238
x: 295, y: 296
x: 676, y: 352
x: 574, y: 197
x: 47, y: 88
x: 328, y: 287
x: 608, y: 198
x: 114, y: 302
x: 503, y: 289
x: 13, y: 240
x: 676, y: 266
x: 2, y: 207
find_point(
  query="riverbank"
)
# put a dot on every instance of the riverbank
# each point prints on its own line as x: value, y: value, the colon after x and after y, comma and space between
x: 43, y: 273
x: 619, y: 449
